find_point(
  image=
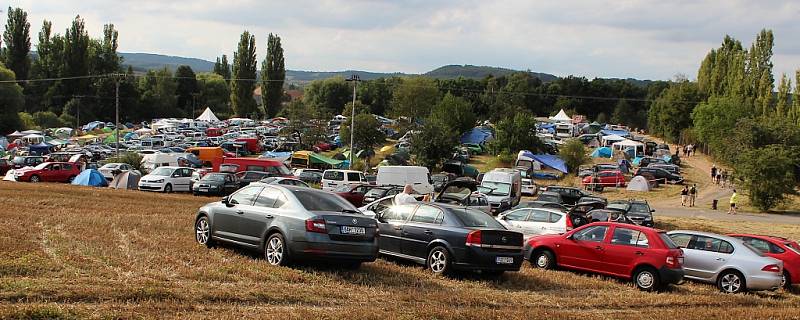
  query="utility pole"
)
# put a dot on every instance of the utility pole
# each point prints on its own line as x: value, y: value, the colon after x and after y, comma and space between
x: 194, y: 103
x: 355, y: 79
x: 117, y: 76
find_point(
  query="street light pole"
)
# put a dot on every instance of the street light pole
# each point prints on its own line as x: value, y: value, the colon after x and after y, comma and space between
x: 117, y: 125
x: 355, y: 79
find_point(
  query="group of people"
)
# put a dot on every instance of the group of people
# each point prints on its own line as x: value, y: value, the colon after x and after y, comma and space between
x: 688, y: 150
x: 721, y: 177
x: 689, y: 195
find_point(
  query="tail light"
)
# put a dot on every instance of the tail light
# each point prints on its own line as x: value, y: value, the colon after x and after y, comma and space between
x: 474, y: 238
x: 771, y: 268
x: 674, y: 261
x: 570, y: 225
x: 316, y: 225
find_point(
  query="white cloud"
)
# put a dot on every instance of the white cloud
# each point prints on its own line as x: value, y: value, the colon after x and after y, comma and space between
x: 612, y: 38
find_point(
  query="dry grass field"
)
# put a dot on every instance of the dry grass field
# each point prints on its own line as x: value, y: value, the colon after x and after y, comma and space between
x: 72, y: 252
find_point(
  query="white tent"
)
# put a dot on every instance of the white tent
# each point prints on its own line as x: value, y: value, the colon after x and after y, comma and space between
x: 208, y: 116
x: 638, y: 183
x: 561, y: 117
x: 627, y: 143
x: 609, y: 139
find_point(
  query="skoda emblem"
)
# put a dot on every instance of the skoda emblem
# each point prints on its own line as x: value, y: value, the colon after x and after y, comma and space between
x: 504, y: 239
x: 355, y: 221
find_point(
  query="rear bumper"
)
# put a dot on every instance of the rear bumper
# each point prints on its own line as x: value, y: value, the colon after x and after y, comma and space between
x: 764, y: 281
x: 336, y: 250
x: 472, y: 258
x: 670, y: 276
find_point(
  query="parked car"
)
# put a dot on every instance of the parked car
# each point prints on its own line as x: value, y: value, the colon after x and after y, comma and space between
x: 378, y: 192
x: 167, y: 179
x: 608, y: 215
x: 108, y: 169
x: 779, y: 248
x: 285, y: 181
x: 332, y: 179
x: 247, y: 177
x: 646, y: 256
x: 439, y: 180
x: 661, y: 175
x: 671, y: 168
x: 638, y: 211
x: 312, y: 177
x: 541, y: 204
x: 569, y: 195
x: 647, y: 161
x: 733, y: 265
x: 529, y: 188
x: 273, y: 167
x: 464, y: 192
x: 354, y: 193
x: 537, y: 221
x: 289, y: 223
x: 552, y: 197
x: 216, y: 183
x: 377, y: 207
x: 604, y: 179
x: 27, y: 161
x: 446, y: 238
x: 585, y: 171
x: 5, y: 165
x: 49, y: 172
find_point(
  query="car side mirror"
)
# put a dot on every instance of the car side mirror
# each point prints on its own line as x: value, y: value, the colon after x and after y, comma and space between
x: 652, y: 210
x: 226, y: 201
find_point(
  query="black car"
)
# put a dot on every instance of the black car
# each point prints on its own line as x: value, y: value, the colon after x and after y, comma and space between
x: 638, y: 211
x: 27, y: 161
x: 552, y: 197
x: 247, y: 177
x: 569, y: 195
x: 312, y: 177
x: 216, y: 183
x: 669, y: 167
x: 380, y: 192
x: 647, y: 161
x: 542, y: 204
x: 610, y: 215
x: 439, y: 180
x: 660, y: 174
x: 446, y: 238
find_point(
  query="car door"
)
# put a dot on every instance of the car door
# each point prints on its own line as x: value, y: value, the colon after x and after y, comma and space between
x: 391, y: 224
x: 584, y: 250
x: 225, y: 221
x: 557, y: 224
x: 50, y: 172
x: 627, y: 246
x: 256, y: 219
x: 536, y: 223
x: 421, y: 229
x: 230, y: 184
x: 515, y: 219
x: 715, y: 254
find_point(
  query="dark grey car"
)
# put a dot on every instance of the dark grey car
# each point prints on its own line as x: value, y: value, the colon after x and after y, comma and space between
x: 288, y: 223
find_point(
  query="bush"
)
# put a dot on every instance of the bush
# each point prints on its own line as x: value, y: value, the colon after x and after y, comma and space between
x: 47, y: 119
x: 131, y: 158
x: 768, y: 173
x: 574, y: 154
x: 27, y: 121
x: 514, y: 134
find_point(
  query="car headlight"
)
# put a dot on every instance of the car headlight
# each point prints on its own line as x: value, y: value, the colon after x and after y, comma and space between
x: 648, y: 218
x: 158, y: 181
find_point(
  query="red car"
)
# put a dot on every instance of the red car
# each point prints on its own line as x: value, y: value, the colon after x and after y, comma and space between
x: 779, y: 248
x: 354, y: 193
x: 606, y: 179
x: 645, y: 255
x: 50, y: 172
x: 5, y: 165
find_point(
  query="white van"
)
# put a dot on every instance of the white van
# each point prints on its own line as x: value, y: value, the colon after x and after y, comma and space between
x: 503, y: 187
x: 332, y: 179
x: 155, y: 160
x: 418, y: 177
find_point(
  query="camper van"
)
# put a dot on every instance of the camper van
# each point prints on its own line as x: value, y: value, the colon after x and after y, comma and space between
x: 565, y: 130
x: 525, y: 160
x: 503, y: 187
x: 155, y: 160
x: 418, y: 177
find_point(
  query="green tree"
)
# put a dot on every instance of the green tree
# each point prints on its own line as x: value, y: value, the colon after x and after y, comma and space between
x: 360, y: 108
x: 273, y: 74
x: 714, y: 119
x: 516, y: 133
x: 329, y: 95
x: 17, y: 38
x: 214, y: 93
x: 43, y: 67
x: 456, y: 112
x: 11, y: 101
x: 782, y: 106
x: 222, y: 68
x: 601, y: 118
x: 671, y: 112
x: 158, y: 98
x: 244, y: 73
x: 434, y: 143
x: 76, y: 59
x: 367, y: 134
x: 377, y: 94
x: 26, y: 121
x: 414, y: 98
x: 768, y: 173
x: 623, y: 113
x: 795, y: 110
x: 186, y: 87
x: 47, y: 119
x: 574, y: 154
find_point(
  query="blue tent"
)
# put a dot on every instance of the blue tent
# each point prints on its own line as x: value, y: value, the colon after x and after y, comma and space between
x: 40, y: 149
x: 549, y: 160
x: 130, y: 135
x: 624, y: 166
x: 631, y: 152
x: 602, y: 152
x: 90, y: 177
x: 551, y: 128
x: 636, y: 161
x: 477, y: 135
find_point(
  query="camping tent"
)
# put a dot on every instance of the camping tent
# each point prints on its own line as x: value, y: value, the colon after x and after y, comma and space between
x: 208, y: 116
x: 90, y: 177
x: 15, y: 135
x: 549, y: 160
x: 602, y: 152
x: 610, y: 139
x: 126, y: 180
x: 40, y: 149
x: 625, y: 144
x: 561, y: 117
x: 10, y: 175
x: 477, y: 135
x: 63, y: 132
x: 638, y: 183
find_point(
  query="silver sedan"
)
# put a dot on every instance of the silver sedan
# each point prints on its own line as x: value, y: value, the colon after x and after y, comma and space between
x: 729, y: 262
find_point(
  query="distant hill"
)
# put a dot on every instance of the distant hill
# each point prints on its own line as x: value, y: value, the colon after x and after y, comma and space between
x: 479, y: 72
x: 142, y: 62
x: 306, y: 76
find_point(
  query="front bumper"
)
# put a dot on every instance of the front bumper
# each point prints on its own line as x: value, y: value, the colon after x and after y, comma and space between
x: 150, y: 186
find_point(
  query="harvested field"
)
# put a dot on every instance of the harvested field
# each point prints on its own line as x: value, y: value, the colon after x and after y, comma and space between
x: 73, y: 252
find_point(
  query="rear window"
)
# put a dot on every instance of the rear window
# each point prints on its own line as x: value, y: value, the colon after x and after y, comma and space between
x: 314, y: 200
x: 375, y: 192
x: 752, y: 248
x: 333, y: 175
x: 667, y: 241
x: 353, y: 176
x: 475, y: 218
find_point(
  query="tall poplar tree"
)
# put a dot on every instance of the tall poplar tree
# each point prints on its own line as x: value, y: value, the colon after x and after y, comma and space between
x: 782, y: 106
x: 221, y: 67
x: 244, y: 73
x: 17, y: 38
x: 273, y: 74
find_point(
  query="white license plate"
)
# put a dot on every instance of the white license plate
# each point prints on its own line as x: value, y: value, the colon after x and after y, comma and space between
x: 353, y: 230
x: 203, y: 189
x: 504, y: 260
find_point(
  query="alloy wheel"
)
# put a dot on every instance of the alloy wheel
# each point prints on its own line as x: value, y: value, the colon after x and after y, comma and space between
x: 34, y: 178
x: 542, y: 261
x: 274, y: 251
x: 438, y: 261
x: 202, y: 231
x: 731, y: 283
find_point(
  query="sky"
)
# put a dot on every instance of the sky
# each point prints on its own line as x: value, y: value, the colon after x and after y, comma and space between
x: 641, y: 39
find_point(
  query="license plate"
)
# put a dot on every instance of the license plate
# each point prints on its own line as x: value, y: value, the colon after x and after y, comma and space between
x: 504, y: 260
x: 353, y: 230
x: 203, y: 189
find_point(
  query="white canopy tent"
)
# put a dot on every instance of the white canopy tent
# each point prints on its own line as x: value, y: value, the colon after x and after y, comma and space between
x: 561, y: 117
x: 609, y: 139
x: 627, y: 143
x: 208, y: 116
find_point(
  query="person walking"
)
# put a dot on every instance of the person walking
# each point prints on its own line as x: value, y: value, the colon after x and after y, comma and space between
x: 689, y: 150
x: 684, y: 196
x: 733, y: 201
x: 692, y: 195
x: 724, y: 178
x: 713, y: 173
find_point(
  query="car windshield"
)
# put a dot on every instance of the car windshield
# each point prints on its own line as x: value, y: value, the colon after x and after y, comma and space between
x: 314, y: 200
x: 640, y: 208
x: 375, y: 192
x: 18, y: 160
x: 41, y: 166
x: 214, y: 177
x: 495, y: 188
x: 548, y: 198
x: 161, y: 172
x: 110, y: 166
x: 476, y: 219
x: 438, y: 178
x: 791, y: 247
x: 618, y: 205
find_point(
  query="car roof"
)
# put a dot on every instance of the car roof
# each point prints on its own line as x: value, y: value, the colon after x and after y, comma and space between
x: 705, y: 234
x: 624, y: 225
x: 759, y: 236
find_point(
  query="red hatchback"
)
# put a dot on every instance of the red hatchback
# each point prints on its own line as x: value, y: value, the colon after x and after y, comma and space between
x: 645, y: 255
x: 779, y: 248
x: 606, y: 179
x: 50, y: 172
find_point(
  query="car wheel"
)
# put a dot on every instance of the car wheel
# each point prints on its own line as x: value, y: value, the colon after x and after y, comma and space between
x: 202, y: 231
x: 168, y: 188
x: 352, y: 265
x: 646, y: 279
x: 439, y: 260
x: 786, y: 280
x: 543, y: 259
x: 35, y: 178
x: 275, y: 250
x: 731, y: 282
